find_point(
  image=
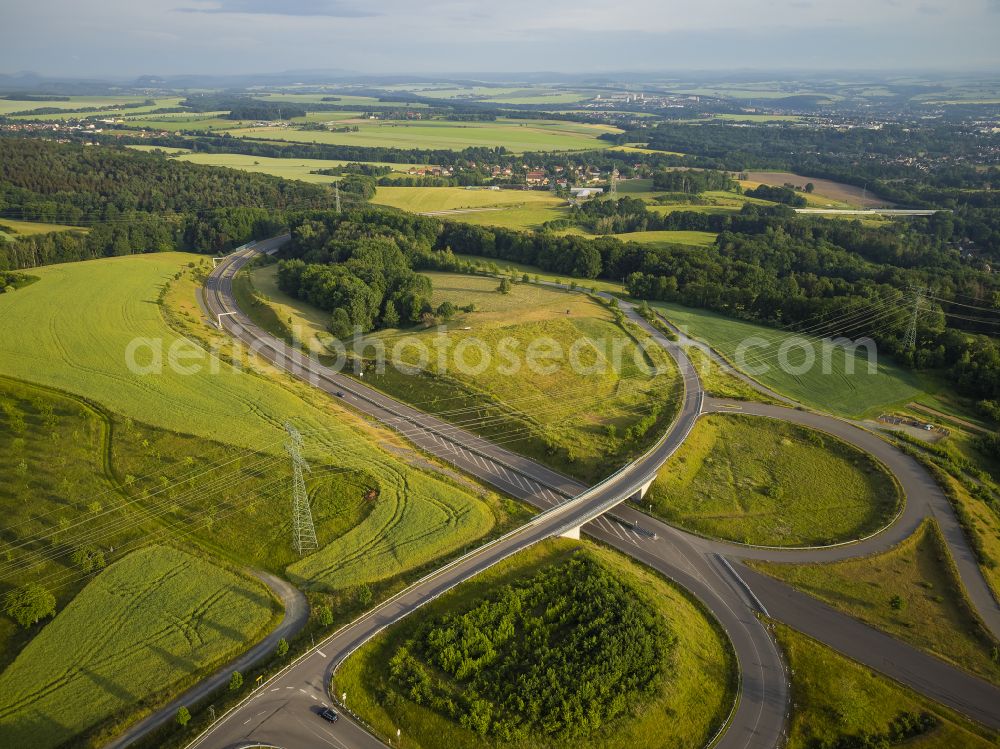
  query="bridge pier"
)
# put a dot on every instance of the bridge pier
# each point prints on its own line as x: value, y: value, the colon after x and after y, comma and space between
x: 573, y: 533
x: 643, y: 489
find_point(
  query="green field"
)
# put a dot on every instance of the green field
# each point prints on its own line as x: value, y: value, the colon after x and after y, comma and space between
x: 839, y: 392
x: 694, y: 238
x: 140, y: 627
x: 75, y: 102
x: 931, y: 612
x: 12, y: 228
x: 81, y: 348
x: 759, y: 481
x: 185, y: 121
x: 834, y: 698
x: 515, y: 135
x: 684, y: 711
x: 554, y: 412
x: 434, y: 199
x: 495, y: 265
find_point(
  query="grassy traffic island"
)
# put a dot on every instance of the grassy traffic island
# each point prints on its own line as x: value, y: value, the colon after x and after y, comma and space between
x: 765, y: 482
x: 912, y: 592
x: 565, y: 644
x: 838, y: 703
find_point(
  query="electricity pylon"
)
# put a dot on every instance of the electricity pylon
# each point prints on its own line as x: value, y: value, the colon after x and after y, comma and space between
x: 336, y: 194
x: 614, y: 181
x: 303, y: 531
x: 910, y: 340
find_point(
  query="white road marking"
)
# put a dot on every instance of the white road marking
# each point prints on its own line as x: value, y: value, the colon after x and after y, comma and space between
x: 321, y: 653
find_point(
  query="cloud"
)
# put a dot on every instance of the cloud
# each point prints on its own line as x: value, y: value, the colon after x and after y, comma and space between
x: 330, y: 8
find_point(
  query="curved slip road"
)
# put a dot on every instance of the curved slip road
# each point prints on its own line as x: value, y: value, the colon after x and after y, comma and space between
x: 281, y: 711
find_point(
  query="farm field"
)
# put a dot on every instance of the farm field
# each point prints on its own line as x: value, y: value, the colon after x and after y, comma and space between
x: 10, y: 227
x: 838, y: 192
x: 141, y: 626
x: 550, y: 410
x: 835, y: 697
x: 495, y: 265
x: 758, y: 481
x: 912, y: 592
x: 437, y: 199
x: 693, y: 238
x: 75, y: 102
x: 300, y: 169
x: 684, y: 711
x: 839, y: 392
x: 515, y: 135
x: 108, y: 112
x: 81, y: 349
x: 342, y: 99
x: 185, y: 121
x: 38, y: 490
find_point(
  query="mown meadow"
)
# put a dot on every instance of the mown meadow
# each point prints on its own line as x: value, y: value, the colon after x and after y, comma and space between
x: 759, y: 481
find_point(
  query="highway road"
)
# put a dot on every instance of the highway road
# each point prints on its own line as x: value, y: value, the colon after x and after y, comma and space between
x: 282, y: 711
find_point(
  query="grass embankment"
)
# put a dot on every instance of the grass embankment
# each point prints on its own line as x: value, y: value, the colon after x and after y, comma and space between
x: 81, y: 348
x: 720, y: 382
x: 967, y: 475
x: 144, y: 624
x: 912, y: 592
x: 845, y: 388
x: 764, y: 482
x: 835, y: 699
x: 583, y: 415
x: 687, y: 705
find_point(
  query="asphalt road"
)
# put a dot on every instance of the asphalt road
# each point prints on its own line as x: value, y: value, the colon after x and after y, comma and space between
x: 282, y: 711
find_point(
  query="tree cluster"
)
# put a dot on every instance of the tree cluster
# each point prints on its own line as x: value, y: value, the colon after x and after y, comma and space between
x: 561, y: 655
x: 777, y: 194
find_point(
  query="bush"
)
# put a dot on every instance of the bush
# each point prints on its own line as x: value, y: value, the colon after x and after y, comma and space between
x: 28, y: 604
x: 236, y: 682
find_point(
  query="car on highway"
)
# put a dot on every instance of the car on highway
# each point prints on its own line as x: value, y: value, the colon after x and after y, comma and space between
x: 328, y: 714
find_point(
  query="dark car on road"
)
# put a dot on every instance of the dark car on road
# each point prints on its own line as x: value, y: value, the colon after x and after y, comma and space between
x: 330, y: 715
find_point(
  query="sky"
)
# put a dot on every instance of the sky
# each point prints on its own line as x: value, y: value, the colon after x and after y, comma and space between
x: 127, y: 38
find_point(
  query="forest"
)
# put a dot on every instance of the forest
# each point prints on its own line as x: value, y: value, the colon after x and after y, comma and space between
x: 768, y: 265
x: 135, y: 202
x: 562, y: 655
x: 935, y: 165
